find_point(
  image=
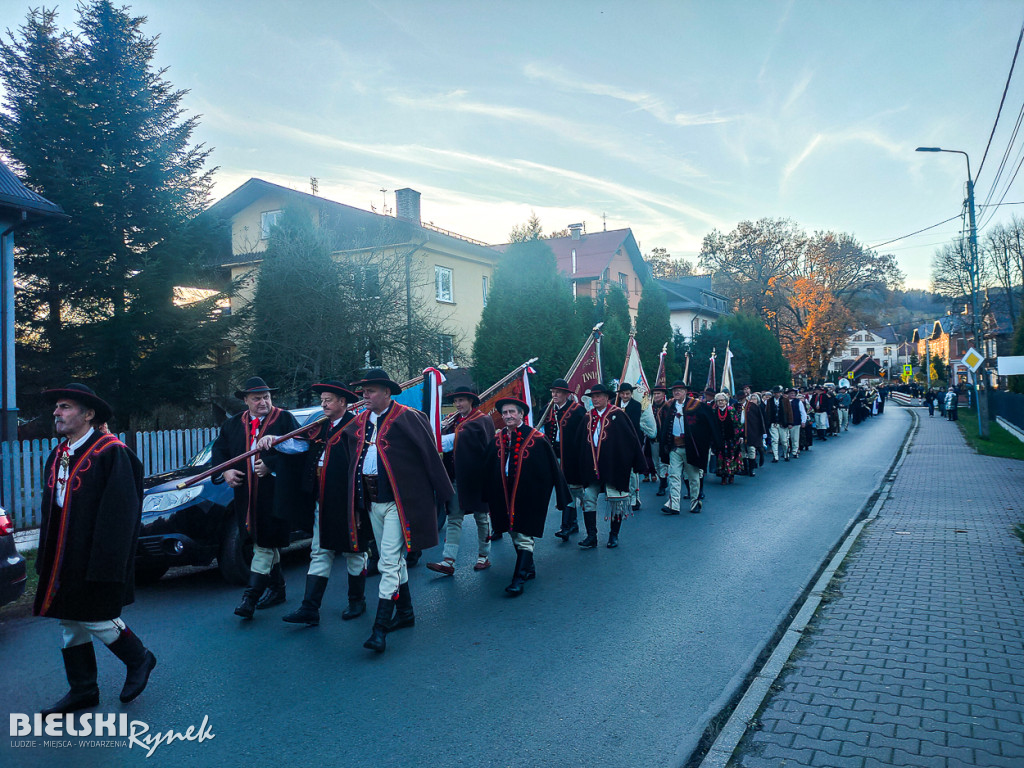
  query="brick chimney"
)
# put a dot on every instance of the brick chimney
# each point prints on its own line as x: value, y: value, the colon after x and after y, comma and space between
x: 407, y: 205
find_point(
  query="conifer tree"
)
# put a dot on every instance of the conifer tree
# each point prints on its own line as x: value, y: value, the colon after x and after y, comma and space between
x: 529, y: 313
x: 91, y: 124
x: 653, y: 331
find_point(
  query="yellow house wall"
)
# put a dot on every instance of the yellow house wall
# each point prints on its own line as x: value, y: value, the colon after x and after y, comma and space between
x: 468, y: 270
x: 246, y: 224
x: 621, y: 263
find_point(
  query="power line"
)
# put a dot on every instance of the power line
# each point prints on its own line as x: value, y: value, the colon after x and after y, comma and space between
x: 1003, y: 99
x: 904, y: 237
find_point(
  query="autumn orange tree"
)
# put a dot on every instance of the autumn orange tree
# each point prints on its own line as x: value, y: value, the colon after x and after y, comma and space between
x: 822, y: 334
x: 809, y: 290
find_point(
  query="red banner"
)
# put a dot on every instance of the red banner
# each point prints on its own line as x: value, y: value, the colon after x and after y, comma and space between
x: 587, y: 370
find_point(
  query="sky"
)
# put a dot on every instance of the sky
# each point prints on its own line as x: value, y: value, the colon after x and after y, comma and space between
x: 672, y: 118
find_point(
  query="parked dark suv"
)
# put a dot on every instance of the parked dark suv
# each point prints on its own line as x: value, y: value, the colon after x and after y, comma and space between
x: 194, y: 525
x: 12, y: 565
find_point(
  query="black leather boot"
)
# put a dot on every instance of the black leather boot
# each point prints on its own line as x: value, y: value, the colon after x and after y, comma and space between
x: 613, y: 536
x: 138, y: 659
x: 275, y: 589
x: 590, y: 521
x: 569, y: 524
x: 404, y: 616
x: 356, y: 597
x: 519, y: 574
x: 376, y: 641
x: 687, y: 484
x: 662, y: 487
x: 257, y: 583
x: 80, y: 668
x: 309, y: 612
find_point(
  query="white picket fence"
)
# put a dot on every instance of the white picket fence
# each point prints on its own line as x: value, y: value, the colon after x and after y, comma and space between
x: 22, y: 463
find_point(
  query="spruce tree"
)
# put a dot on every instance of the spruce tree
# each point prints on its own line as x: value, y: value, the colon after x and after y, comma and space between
x: 653, y: 331
x: 91, y: 124
x: 617, y: 326
x: 529, y: 313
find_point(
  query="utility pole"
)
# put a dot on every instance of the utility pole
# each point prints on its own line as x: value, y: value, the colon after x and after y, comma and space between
x: 972, y: 240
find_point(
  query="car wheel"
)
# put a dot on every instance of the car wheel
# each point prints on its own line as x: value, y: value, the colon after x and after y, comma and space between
x: 149, y: 574
x: 235, y: 554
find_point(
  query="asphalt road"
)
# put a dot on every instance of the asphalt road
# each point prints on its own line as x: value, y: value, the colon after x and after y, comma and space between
x: 610, y: 658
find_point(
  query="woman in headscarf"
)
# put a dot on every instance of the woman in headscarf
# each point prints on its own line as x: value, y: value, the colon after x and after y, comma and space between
x: 730, y: 458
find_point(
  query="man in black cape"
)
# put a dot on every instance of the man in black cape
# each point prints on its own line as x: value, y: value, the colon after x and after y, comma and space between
x: 325, y: 475
x: 91, y: 516
x: 396, y: 477
x: 465, y: 442
x: 268, y: 494
x: 521, y: 472
x: 610, y: 450
x: 565, y: 419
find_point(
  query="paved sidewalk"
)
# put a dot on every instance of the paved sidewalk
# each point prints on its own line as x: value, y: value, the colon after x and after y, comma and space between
x: 917, y: 656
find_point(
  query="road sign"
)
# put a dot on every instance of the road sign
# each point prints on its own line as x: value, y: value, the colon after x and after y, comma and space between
x: 908, y: 370
x: 850, y: 375
x: 973, y: 359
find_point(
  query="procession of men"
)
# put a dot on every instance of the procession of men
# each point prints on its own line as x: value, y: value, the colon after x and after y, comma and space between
x: 382, y: 480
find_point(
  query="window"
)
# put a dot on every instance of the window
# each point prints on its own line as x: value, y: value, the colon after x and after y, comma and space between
x: 624, y: 282
x: 367, y: 282
x: 485, y: 286
x: 703, y: 325
x: 574, y: 290
x: 871, y: 351
x: 574, y: 261
x: 445, y: 348
x: 854, y: 351
x: 888, y: 351
x: 268, y: 220
x: 443, y: 284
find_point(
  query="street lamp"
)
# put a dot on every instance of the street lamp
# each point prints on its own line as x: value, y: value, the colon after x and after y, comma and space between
x: 975, y: 287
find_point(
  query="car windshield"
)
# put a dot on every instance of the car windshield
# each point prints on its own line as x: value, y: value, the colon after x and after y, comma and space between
x: 302, y: 415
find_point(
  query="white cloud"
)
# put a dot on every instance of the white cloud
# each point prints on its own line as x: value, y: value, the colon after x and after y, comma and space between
x: 642, y: 101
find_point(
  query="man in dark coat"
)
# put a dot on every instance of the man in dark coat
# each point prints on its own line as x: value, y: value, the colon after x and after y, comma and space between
x: 267, y: 488
x: 395, y: 475
x: 779, y: 418
x: 659, y: 407
x: 325, y: 471
x: 610, y: 451
x: 752, y: 421
x: 687, y: 437
x: 634, y: 410
x: 465, y: 442
x: 91, y: 515
x: 566, y: 418
x: 522, y: 470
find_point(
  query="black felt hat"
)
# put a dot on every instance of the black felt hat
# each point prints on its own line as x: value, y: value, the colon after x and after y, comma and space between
x: 464, y: 392
x: 253, y: 385
x: 84, y: 395
x: 512, y: 401
x: 560, y: 384
x: 337, y: 388
x: 625, y: 387
x: 599, y: 389
x: 680, y: 384
x: 379, y: 376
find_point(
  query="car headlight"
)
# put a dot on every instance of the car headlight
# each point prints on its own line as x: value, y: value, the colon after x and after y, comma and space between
x: 157, y: 502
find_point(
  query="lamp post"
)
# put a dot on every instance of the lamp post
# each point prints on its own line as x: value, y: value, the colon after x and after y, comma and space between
x: 972, y: 240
